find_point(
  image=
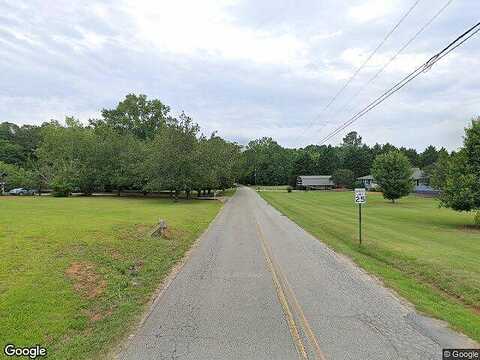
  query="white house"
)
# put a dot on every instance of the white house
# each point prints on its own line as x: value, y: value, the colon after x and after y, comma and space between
x: 321, y: 182
x: 368, y: 182
x: 419, y: 178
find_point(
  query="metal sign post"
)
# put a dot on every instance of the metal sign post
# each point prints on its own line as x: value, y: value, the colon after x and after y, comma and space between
x: 360, y: 198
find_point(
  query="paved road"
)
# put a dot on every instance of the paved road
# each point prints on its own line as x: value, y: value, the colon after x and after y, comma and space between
x: 259, y: 287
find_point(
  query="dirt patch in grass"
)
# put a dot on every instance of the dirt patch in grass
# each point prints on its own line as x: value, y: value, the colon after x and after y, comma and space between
x: 170, y: 233
x: 142, y: 228
x: 97, y: 315
x: 115, y: 254
x: 85, y: 279
x: 174, y: 234
x: 135, y: 232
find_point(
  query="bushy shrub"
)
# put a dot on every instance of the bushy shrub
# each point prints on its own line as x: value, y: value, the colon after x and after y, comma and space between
x: 61, y: 188
x: 15, y: 176
x: 476, y: 218
x: 358, y: 184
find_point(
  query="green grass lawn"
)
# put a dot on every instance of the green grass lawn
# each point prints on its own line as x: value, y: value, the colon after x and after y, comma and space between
x: 229, y: 192
x: 429, y: 255
x: 76, y: 272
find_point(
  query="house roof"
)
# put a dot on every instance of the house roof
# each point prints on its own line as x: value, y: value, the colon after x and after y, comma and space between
x: 366, y: 177
x: 417, y: 174
x: 315, y: 176
x: 316, y: 180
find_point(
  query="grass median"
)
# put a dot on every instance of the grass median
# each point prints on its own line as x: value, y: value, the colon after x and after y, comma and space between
x: 429, y: 255
x: 76, y: 272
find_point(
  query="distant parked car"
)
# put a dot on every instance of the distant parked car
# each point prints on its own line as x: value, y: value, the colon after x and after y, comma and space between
x: 22, y: 191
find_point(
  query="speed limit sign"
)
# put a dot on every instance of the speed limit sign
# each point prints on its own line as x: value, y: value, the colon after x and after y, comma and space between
x: 360, y: 196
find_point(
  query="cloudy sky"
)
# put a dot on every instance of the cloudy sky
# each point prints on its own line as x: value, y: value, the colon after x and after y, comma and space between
x: 246, y: 68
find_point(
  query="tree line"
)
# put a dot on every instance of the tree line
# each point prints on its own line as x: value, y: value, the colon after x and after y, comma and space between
x: 141, y: 146
x: 268, y: 163
x: 456, y: 174
x: 138, y: 145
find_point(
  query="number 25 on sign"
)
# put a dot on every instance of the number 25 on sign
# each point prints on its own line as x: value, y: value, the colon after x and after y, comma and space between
x: 360, y: 198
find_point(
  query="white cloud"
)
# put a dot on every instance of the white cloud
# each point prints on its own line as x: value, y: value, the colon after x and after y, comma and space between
x: 319, y: 37
x: 43, y: 108
x: 371, y: 9
x: 89, y: 40
x: 240, y: 67
x: 206, y: 28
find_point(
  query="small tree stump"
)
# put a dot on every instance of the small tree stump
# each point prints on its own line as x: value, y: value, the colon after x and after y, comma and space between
x: 159, y: 230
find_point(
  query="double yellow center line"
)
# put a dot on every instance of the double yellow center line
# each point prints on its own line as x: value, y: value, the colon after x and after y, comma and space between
x: 285, y: 293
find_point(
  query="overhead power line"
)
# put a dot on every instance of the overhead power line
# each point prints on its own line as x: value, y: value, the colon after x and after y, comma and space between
x: 366, y: 61
x: 399, y: 51
x: 418, y: 71
x: 360, y: 68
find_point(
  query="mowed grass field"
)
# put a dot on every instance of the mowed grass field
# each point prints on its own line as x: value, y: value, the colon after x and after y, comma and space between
x: 76, y: 272
x: 429, y: 255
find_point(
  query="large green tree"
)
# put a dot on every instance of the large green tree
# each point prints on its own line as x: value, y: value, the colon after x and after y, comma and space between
x: 217, y: 163
x: 412, y: 156
x: 15, y: 176
x: 352, y: 139
x: 67, y: 155
x: 357, y: 159
x: 355, y: 156
x: 267, y: 163
x: 437, y: 172
x: 392, y: 172
x: 171, y: 162
x: 461, y: 188
x: 18, y: 143
x: 343, y: 178
x: 8, y: 130
x: 118, y: 160
x: 429, y: 156
x: 136, y: 115
x: 327, y: 161
x: 11, y: 153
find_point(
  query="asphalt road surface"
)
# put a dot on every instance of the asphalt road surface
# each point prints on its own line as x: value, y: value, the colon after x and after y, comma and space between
x: 259, y: 287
